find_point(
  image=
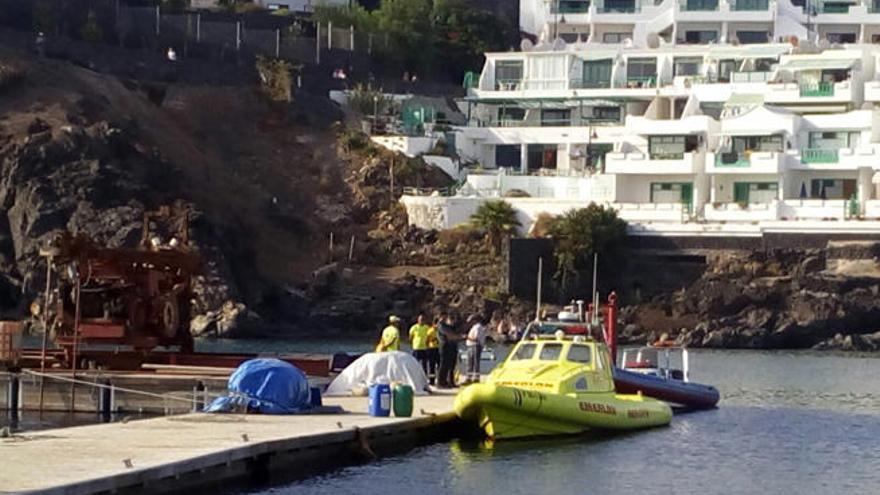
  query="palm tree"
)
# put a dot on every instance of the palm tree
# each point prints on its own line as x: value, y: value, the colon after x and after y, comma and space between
x: 497, y: 219
x: 579, y: 233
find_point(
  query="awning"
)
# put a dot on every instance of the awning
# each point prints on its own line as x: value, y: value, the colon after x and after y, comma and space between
x: 743, y: 52
x: 818, y: 63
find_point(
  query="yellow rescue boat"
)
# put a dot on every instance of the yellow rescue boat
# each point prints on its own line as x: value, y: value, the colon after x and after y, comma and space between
x: 552, y: 386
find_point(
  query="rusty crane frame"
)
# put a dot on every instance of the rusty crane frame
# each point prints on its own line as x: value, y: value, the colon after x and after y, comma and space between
x: 135, y: 297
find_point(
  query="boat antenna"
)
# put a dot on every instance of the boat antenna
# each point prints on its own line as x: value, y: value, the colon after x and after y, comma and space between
x: 538, y: 295
x: 595, y: 315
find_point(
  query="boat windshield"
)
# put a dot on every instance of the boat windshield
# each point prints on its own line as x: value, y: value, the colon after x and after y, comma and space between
x: 525, y: 351
x: 550, y: 352
x: 579, y: 354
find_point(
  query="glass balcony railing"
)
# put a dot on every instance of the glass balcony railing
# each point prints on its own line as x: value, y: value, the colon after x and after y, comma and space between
x: 749, y: 5
x: 582, y: 84
x: 817, y: 89
x: 666, y: 156
x: 833, y: 8
x: 818, y: 155
x: 624, y: 8
x: 569, y: 7
x: 699, y: 5
x: 732, y: 159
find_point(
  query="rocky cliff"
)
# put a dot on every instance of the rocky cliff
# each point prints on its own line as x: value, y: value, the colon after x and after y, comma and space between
x: 785, y: 299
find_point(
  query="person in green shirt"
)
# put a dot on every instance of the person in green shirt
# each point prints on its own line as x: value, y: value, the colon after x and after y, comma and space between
x: 390, y: 340
x: 418, y: 336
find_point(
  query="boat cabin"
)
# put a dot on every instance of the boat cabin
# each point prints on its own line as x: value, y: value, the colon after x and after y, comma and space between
x: 557, y: 364
x: 665, y: 362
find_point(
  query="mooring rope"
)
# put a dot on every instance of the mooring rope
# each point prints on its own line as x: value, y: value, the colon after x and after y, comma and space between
x: 111, y: 386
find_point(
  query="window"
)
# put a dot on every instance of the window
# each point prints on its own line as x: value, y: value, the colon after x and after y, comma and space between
x: 641, y: 69
x: 700, y: 37
x: 752, y: 37
x: 841, y: 37
x: 569, y: 7
x: 579, y: 354
x: 550, y: 352
x: 555, y: 118
x: 704, y: 5
x: 755, y: 192
x: 606, y: 114
x: 834, y: 140
x: 616, y: 37
x: 508, y: 73
x: 542, y: 156
x: 832, y: 188
x: 619, y: 6
x: 757, y: 143
x: 597, y: 73
x: 508, y: 155
x: 672, y: 192
x: 725, y: 68
x: 687, y: 66
x: 525, y: 351
x: 670, y: 147
x: 511, y: 115
x: 875, y: 38
x: 764, y: 64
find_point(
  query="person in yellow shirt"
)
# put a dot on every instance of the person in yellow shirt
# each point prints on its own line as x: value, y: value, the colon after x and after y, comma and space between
x: 418, y: 336
x: 433, y: 352
x: 390, y: 340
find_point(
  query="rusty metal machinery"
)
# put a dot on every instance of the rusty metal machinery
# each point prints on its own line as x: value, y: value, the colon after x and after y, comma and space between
x: 137, y: 297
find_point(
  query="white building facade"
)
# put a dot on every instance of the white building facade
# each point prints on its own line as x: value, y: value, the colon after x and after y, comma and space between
x: 702, y: 21
x: 684, y: 138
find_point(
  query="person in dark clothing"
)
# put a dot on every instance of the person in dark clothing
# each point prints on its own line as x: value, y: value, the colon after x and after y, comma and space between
x: 449, y: 338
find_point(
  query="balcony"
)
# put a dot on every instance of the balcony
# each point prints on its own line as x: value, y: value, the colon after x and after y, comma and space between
x: 822, y: 89
x: 742, y: 212
x: 814, y: 209
x: 867, y: 155
x: 732, y: 159
x: 642, y: 163
x: 581, y: 84
x: 754, y: 162
x: 817, y: 155
x: 749, y: 5
x: 652, y: 212
x: 750, y: 77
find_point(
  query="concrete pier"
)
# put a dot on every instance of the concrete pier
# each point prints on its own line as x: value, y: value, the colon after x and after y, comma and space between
x: 191, y: 451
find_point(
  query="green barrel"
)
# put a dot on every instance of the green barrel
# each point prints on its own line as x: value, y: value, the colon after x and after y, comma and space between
x: 403, y: 401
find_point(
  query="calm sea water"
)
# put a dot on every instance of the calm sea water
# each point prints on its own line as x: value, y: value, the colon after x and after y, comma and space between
x: 789, y: 423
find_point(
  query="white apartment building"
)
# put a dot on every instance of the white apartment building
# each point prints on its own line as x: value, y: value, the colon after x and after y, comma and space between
x: 702, y: 21
x: 702, y: 138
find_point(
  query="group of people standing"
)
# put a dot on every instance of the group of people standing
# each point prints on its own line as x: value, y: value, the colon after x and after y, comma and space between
x: 435, y: 346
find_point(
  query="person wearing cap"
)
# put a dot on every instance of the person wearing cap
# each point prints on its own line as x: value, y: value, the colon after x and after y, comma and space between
x: 390, y: 340
x: 418, y: 337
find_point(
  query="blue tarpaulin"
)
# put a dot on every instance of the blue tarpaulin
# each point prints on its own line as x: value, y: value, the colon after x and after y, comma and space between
x: 268, y: 386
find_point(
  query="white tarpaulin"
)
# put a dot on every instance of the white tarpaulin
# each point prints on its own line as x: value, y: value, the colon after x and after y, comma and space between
x: 380, y: 367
